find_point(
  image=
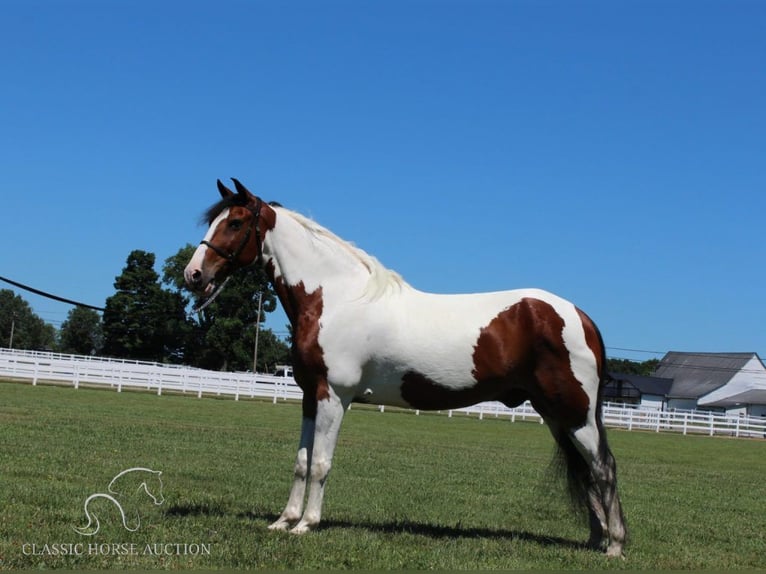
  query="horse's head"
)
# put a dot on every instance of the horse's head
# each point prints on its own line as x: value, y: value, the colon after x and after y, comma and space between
x: 238, y: 224
x: 137, y: 479
x: 153, y: 486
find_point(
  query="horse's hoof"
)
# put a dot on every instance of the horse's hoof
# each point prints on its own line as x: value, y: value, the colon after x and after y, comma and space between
x: 280, y: 524
x: 302, y: 528
x: 615, y: 551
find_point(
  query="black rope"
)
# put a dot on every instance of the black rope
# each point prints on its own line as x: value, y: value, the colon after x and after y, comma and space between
x: 50, y: 296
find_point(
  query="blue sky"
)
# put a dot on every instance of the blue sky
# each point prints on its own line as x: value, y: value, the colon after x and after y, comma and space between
x: 611, y: 152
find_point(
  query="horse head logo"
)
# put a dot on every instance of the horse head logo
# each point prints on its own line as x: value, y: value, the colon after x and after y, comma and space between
x: 125, y: 491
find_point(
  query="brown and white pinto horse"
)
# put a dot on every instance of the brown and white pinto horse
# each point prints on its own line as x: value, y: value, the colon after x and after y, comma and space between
x: 360, y: 333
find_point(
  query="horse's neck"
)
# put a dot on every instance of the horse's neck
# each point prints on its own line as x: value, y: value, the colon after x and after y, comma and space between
x: 302, y: 257
x: 128, y: 483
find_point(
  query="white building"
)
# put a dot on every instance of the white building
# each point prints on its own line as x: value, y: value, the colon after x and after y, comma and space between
x: 734, y: 382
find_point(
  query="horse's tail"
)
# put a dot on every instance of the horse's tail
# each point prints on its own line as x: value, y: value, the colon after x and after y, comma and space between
x: 570, y: 462
x: 89, y: 529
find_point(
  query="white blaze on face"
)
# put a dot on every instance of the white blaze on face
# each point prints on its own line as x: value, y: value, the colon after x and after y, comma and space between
x: 198, y: 259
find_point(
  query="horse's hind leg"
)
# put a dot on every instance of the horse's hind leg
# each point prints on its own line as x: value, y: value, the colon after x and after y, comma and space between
x: 582, y: 486
x: 590, y: 441
x: 599, y: 529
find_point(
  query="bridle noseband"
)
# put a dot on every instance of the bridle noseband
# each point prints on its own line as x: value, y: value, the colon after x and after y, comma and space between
x: 231, y: 258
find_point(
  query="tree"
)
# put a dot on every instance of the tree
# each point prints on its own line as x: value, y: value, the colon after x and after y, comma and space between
x: 141, y: 320
x: 272, y: 351
x: 629, y: 367
x: 223, y: 334
x: 20, y: 327
x: 81, y: 333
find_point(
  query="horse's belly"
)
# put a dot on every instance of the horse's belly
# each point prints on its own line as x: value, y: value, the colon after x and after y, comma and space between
x: 410, y: 387
x: 381, y: 388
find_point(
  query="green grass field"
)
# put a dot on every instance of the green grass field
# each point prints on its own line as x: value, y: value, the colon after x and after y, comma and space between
x: 406, y: 492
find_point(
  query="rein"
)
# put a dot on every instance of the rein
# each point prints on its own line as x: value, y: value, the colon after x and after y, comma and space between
x: 231, y: 258
x: 205, y: 302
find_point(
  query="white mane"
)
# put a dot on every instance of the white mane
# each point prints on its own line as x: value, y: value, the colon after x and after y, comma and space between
x: 381, y: 278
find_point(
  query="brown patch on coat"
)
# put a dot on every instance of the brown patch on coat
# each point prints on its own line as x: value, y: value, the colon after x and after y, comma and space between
x: 267, y: 220
x: 304, y: 310
x: 282, y: 292
x: 519, y: 355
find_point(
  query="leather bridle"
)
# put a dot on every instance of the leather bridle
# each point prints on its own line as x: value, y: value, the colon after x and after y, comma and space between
x: 232, y: 257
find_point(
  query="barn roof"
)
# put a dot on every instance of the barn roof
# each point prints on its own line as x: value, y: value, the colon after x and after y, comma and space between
x: 643, y: 385
x: 697, y: 374
x: 751, y: 397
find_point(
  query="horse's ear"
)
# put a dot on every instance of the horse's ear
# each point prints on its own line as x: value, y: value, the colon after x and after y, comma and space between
x: 223, y: 190
x: 241, y: 189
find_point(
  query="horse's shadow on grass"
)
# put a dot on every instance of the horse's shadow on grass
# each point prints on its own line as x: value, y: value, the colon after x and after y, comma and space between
x: 393, y: 527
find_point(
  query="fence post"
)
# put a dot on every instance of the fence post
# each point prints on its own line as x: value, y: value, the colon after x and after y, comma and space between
x: 686, y: 422
x: 710, y: 422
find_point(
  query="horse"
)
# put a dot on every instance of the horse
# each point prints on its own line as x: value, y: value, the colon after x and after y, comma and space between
x: 126, y: 485
x: 362, y: 334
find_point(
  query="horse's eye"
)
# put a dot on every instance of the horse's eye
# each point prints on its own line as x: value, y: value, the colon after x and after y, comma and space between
x: 235, y: 224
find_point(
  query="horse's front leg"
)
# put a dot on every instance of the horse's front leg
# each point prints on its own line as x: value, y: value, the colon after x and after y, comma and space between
x: 329, y: 416
x: 292, y: 512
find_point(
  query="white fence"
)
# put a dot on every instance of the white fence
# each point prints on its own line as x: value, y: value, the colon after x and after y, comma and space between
x: 155, y: 377
x: 620, y: 416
